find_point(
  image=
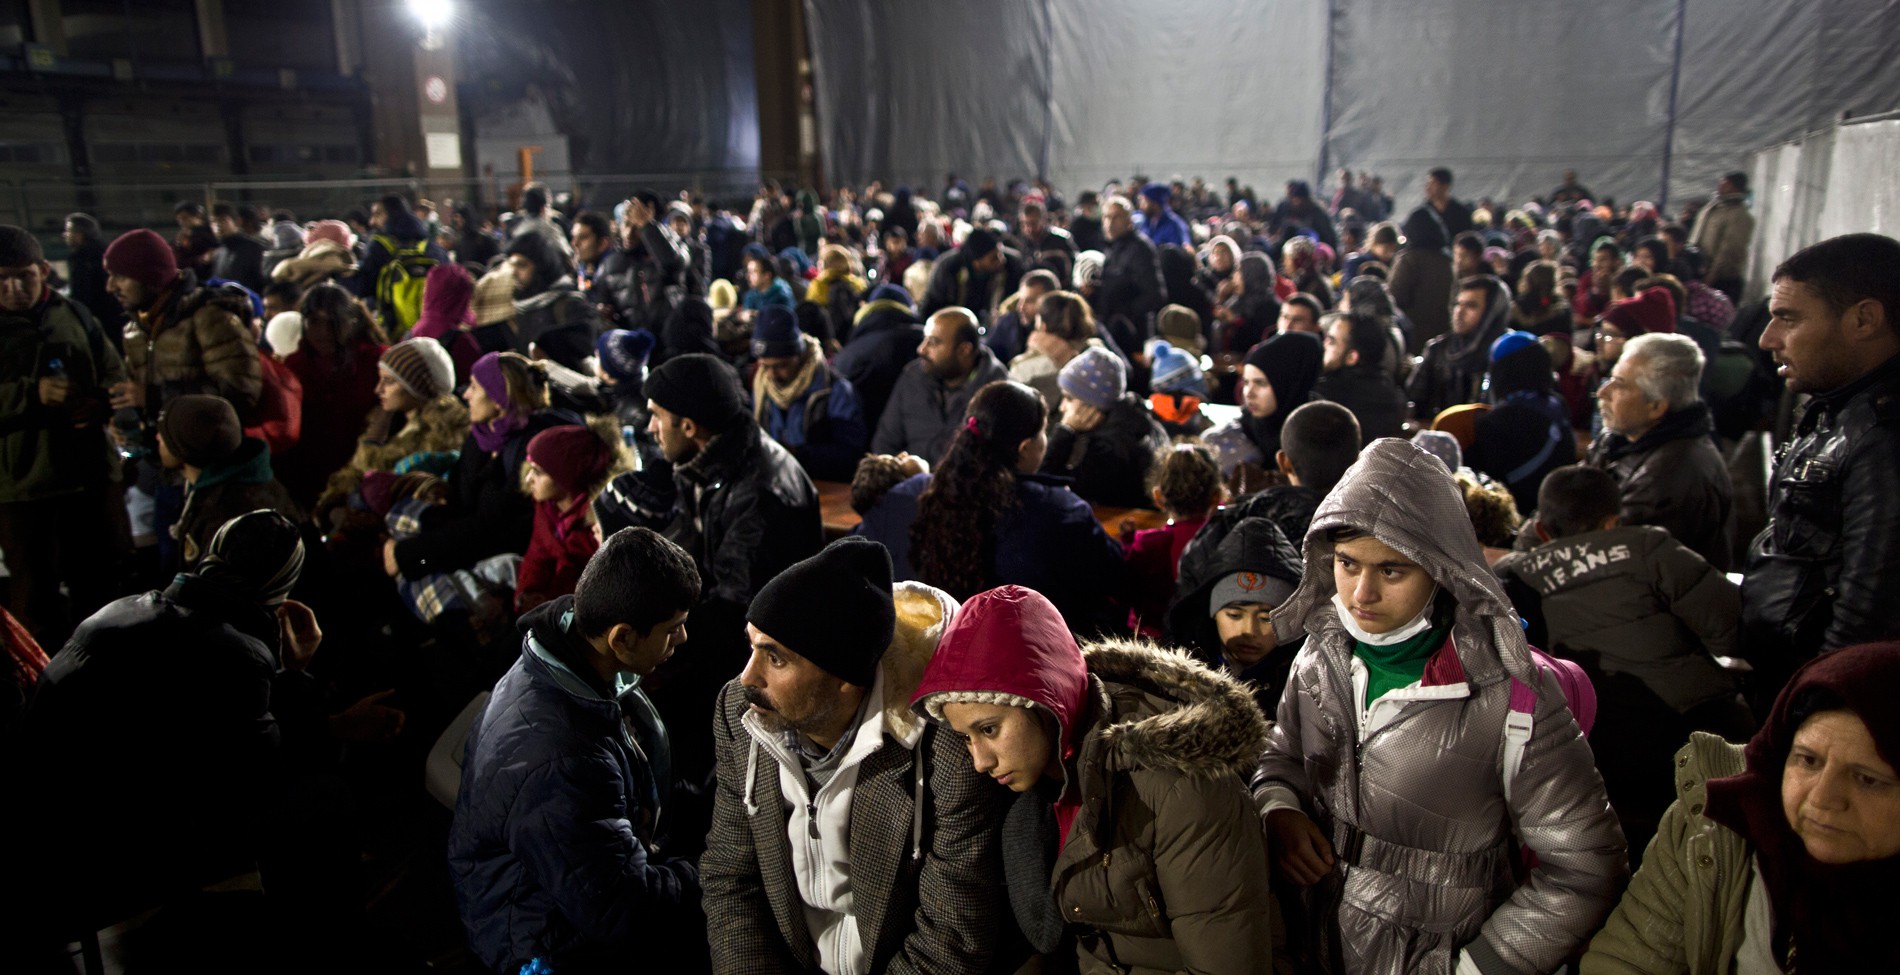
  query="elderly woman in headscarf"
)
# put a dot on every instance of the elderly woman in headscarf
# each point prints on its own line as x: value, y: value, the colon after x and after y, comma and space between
x: 1250, y: 310
x: 1300, y: 257
x: 1783, y: 855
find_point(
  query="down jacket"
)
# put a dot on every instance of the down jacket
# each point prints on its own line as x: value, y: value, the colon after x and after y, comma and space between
x: 1673, y: 477
x: 554, y: 848
x: 1165, y: 746
x: 197, y: 341
x: 1415, y: 804
x: 1682, y: 914
x: 920, y: 832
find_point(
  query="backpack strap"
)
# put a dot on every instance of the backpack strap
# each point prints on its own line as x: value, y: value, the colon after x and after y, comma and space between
x: 1517, y: 730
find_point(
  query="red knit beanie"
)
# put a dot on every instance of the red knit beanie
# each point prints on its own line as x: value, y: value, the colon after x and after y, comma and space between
x: 143, y: 256
x: 574, y: 456
x: 1652, y: 311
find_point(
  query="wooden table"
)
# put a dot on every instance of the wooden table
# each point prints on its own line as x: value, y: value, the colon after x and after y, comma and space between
x: 834, y: 506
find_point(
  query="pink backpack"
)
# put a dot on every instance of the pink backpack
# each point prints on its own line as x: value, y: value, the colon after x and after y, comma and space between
x: 1578, y: 691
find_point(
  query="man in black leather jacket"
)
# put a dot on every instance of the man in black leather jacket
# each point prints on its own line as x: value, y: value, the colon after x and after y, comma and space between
x: 1822, y: 574
x: 745, y: 511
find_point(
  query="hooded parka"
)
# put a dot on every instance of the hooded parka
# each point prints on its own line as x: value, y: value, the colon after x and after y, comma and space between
x: 1161, y: 865
x: 1411, y: 789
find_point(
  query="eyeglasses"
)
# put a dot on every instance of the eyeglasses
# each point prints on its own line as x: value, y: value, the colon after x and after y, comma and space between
x: 1603, y: 336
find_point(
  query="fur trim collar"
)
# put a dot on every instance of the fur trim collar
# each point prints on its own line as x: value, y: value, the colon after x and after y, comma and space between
x: 1213, y: 727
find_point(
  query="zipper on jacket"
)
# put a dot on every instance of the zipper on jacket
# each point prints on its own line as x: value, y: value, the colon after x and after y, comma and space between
x: 811, y: 814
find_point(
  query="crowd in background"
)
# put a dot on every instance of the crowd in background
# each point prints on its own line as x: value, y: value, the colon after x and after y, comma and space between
x: 548, y: 489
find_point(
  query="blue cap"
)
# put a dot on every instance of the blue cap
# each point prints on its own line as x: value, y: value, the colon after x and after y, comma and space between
x: 775, y: 333
x: 1510, y: 342
x: 891, y: 292
x: 623, y: 353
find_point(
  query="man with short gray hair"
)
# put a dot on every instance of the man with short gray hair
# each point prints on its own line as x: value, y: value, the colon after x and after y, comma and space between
x: 1657, y: 442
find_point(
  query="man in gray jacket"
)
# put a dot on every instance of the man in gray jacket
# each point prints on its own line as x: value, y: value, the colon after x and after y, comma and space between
x: 934, y: 391
x: 1723, y: 230
x: 848, y: 836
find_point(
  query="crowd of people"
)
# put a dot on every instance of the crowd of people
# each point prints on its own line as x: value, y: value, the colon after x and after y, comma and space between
x: 1437, y: 660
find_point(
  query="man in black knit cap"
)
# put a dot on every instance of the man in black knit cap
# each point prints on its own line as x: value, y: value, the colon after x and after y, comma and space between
x: 745, y: 510
x: 848, y: 835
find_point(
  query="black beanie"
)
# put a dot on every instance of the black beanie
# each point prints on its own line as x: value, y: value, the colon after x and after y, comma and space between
x: 19, y: 248
x: 834, y: 609
x: 979, y: 243
x: 700, y: 387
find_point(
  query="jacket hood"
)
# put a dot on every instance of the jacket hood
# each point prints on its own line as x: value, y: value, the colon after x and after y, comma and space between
x: 1205, y: 724
x: 404, y: 226
x: 445, y: 296
x: 320, y: 257
x: 547, y: 648
x: 1407, y: 499
x: 1473, y: 351
x: 924, y: 615
x: 1255, y: 544
x: 1010, y: 641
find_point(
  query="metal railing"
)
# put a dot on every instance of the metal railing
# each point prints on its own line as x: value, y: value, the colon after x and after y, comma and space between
x: 41, y: 205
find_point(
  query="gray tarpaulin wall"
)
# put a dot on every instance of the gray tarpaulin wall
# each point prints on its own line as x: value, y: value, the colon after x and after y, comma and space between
x: 1839, y: 180
x: 1507, y: 92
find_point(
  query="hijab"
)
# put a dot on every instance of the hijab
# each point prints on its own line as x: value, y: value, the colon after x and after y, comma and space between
x: 1291, y: 361
x: 491, y: 435
x: 1837, y: 918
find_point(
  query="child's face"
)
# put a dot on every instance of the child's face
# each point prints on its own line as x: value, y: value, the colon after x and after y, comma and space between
x: 1382, y: 588
x: 540, y: 486
x: 1246, y: 632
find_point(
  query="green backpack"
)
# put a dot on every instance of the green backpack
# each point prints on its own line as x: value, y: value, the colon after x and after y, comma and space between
x: 399, y: 285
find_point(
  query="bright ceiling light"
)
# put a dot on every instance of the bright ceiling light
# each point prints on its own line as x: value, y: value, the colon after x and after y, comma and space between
x: 432, y: 13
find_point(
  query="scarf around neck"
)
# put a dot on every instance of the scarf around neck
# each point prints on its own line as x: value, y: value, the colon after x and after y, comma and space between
x: 785, y: 395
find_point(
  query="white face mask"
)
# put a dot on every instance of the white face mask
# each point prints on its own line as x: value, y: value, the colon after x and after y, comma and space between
x: 1418, y: 625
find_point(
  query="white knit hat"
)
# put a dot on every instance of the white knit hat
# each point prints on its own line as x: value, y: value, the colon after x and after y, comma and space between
x: 934, y: 703
x: 284, y: 332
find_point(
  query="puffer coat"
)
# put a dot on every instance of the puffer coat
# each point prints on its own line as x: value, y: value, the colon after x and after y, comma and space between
x: 1165, y: 743
x: 1423, y: 819
x: 1683, y: 913
x: 198, y: 342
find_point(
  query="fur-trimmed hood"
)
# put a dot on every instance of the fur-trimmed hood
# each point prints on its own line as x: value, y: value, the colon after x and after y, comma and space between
x: 1151, y: 707
x: 1170, y: 711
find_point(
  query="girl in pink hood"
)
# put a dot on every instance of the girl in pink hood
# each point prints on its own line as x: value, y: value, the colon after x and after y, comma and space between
x: 1131, y: 832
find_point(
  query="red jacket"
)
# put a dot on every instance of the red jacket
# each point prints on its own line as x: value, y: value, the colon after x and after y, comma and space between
x: 337, y: 400
x: 277, y: 419
x: 557, y: 552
